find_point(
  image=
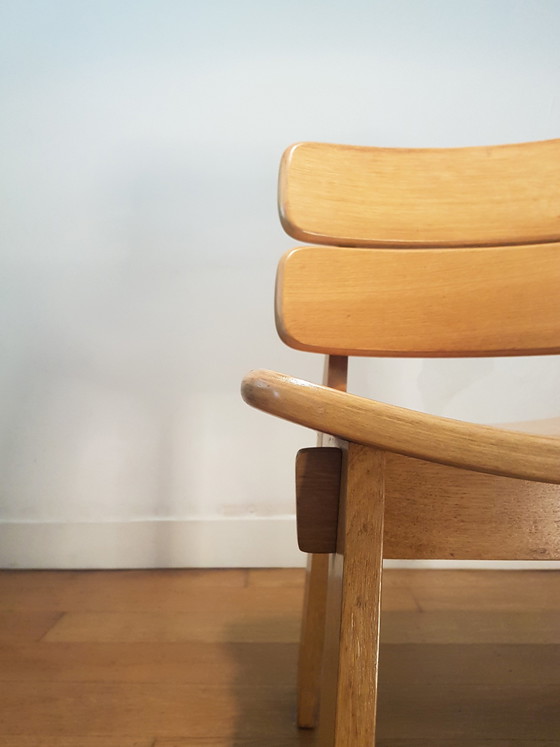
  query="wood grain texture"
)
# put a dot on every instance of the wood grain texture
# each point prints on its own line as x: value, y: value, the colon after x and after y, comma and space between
x: 159, y: 661
x: 348, y: 704
x: 435, y: 511
x: 166, y: 590
x: 84, y: 741
x: 476, y: 273
x: 198, y: 625
x: 21, y: 626
x: 331, y: 648
x: 353, y: 196
x: 457, y: 443
x: 496, y: 664
x: 471, y: 626
x: 474, y: 663
x: 479, y: 742
x: 311, y: 647
x: 362, y: 547
x: 493, y: 591
x: 275, y: 577
x: 423, y: 302
x: 335, y: 376
x: 136, y: 710
x: 299, y: 739
x: 442, y: 712
x: 318, y: 472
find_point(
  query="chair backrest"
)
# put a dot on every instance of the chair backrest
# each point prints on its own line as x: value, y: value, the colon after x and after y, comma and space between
x: 436, y: 252
x: 483, y: 196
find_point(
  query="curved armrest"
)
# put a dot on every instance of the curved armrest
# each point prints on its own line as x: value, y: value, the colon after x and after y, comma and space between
x: 471, y: 446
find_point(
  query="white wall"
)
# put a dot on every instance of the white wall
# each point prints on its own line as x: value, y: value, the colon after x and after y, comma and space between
x: 140, y: 143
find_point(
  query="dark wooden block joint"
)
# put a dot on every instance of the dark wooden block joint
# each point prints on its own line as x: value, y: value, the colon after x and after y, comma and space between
x: 318, y: 473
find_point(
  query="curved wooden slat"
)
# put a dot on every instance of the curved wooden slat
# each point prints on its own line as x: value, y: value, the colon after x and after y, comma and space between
x: 422, y: 302
x: 476, y: 447
x: 482, y: 196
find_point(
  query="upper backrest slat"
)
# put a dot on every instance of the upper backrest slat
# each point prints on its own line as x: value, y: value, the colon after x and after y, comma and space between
x: 481, y: 196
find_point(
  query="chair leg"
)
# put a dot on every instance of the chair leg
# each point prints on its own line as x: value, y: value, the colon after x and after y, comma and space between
x: 315, y: 602
x: 312, y: 640
x: 350, y: 664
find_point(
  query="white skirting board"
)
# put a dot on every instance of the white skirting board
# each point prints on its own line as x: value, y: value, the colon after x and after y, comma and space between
x: 266, y: 542
x: 192, y: 543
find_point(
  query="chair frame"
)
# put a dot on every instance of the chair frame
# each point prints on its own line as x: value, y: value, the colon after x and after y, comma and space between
x: 506, y: 476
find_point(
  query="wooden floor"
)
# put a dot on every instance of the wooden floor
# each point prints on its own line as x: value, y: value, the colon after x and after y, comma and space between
x: 183, y: 658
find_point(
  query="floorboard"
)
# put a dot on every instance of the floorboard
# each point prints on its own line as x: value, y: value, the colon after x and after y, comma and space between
x: 208, y: 658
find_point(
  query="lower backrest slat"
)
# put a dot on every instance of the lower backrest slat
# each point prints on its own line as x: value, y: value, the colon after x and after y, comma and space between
x: 421, y: 302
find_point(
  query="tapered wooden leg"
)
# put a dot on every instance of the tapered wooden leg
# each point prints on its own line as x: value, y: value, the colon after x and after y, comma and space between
x: 349, y: 677
x: 314, y: 607
x: 312, y: 640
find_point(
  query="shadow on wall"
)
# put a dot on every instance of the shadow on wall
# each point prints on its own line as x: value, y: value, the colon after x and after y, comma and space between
x: 114, y: 392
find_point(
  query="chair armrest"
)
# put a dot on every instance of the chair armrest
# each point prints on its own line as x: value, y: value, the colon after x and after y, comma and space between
x: 481, y: 448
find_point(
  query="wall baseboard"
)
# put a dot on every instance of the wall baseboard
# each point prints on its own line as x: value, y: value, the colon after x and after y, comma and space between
x: 266, y: 542
x: 191, y: 543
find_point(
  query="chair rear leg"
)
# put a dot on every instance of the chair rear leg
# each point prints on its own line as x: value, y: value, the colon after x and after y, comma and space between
x: 312, y: 640
x: 349, y: 677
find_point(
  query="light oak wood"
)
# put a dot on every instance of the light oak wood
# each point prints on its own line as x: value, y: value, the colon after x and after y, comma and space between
x: 348, y: 701
x: 453, y: 442
x: 424, y: 302
x: 435, y: 511
x: 331, y: 650
x: 476, y: 272
x: 335, y: 376
x: 311, y: 647
x: 346, y: 195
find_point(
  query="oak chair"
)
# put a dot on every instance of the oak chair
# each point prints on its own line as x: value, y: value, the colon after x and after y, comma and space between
x: 428, y: 253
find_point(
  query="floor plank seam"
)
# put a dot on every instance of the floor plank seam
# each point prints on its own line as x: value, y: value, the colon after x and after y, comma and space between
x: 41, y: 638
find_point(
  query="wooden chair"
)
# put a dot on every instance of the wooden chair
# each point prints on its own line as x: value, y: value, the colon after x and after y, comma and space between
x: 429, y: 253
